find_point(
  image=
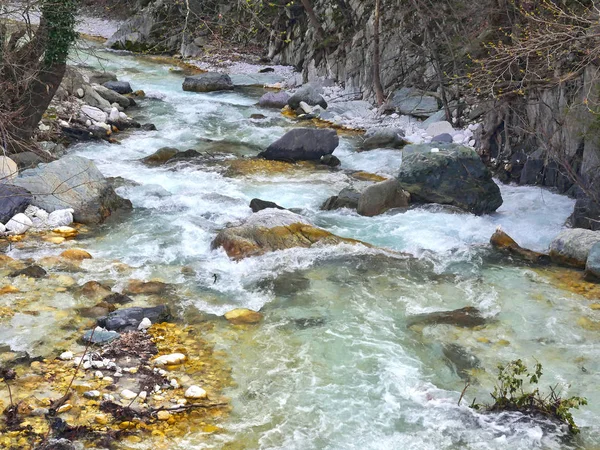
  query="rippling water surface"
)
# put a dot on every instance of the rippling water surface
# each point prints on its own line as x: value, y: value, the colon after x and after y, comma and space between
x: 334, y: 364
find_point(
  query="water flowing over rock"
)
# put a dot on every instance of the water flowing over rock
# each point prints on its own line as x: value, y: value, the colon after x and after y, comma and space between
x: 467, y: 317
x: 208, y: 82
x: 449, y: 174
x: 572, y: 246
x: 380, y: 197
x: 168, y: 154
x: 302, y: 144
x: 13, y: 200
x: 309, y: 95
x: 242, y: 316
x: 503, y: 242
x: 270, y: 230
x: 72, y: 182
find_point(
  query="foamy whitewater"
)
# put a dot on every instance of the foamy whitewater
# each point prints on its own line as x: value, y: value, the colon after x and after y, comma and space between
x: 334, y: 365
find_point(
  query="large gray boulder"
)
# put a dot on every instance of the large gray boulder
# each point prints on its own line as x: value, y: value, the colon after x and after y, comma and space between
x: 13, y: 200
x: 111, y: 96
x: 572, y: 246
x: 347, y: 198
x: 309, y: 95
x: 449, y: 174
x: 72, y: 182
x: 302, y: 144
x: 120, y: 87
x: 274, y: 100
x: 208, y: 82
x: 380, y: 197
x: 383, y: 138
x: 413, y: 102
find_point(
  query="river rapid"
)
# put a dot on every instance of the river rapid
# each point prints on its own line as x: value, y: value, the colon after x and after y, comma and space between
x: 335, y: 364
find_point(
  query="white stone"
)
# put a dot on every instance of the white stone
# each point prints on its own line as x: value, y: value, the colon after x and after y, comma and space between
x: 435, y: 150
x: 102, y: 125
x: 66, y: 356
x: 80, y: 93
x: 437, y: 128
x: 98, y: 374
x: 93, y: 113
x: 123, y: 116
x: 2, y: 228
x: 43, y: 127
x: 128, y: 395
x: 98, y: 364
x: 86, y: 365
x: 174, y: 384
x: 60, y: 218
x: 305, y: 107
x: 88, y: 123
x: 143, y: 395
x: 108, y: 397
x: 195, y: 392
x: 92, y: 394
x: 8, y: 169
x: 108, y: 380
x: 170, y: 360
x: 19, y: 224
x: 144, y: 324
x: 114, y: 115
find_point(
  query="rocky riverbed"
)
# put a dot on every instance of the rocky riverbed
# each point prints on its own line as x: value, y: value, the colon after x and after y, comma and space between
x: 253, y: 279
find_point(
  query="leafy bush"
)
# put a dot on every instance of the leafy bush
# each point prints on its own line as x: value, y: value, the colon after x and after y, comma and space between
x: 510, y: 395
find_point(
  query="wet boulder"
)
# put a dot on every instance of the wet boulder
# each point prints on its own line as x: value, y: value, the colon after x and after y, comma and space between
x: 270, y: 230
x: 449, y: 174
x: 302, y: 144
x: 347, y: 198
x: 256, y: 205
x: 309, y: 95
x: 128, y: 319
x: 503, y: 242
x: 383, y: 138
x: 13, y: 200
x: 467, y: 317
x: 72, y: 182
x: 208, y: 82
x: 592, y: 265
x: 572, y: 246
x: 274, y: 100
x: 169, y: 154
x: 242, y: 316
x: 112, y: 96
x: 120, y: 87
x: 33, y: 271
x: 381, y: 197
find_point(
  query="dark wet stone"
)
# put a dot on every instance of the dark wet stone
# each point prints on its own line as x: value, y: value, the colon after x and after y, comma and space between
x: 302, y: 144
x: 128, y: 319
x: 468, y: 317
x: 117, y: 299
x: 309, y: 322
x: 444, y: 138
x: 32, y: 271
x: 461, y: 360
x: 266, y: 70
x: 149, y: 127
x: 121, y: 87
x: 13, y: 200
x: 256, y: 204
x: 258, y: 116
x: 330, y: 160
x: 100, y: 336
x: 347, y: 198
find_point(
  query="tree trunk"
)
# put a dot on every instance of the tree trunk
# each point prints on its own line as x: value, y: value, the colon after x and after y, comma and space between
x: 310, y: 12
x: 377, y: 56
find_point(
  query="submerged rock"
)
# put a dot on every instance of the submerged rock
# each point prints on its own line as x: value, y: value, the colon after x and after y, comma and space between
x: 467, y: 317
x: 208, y: 82
x: 380, y: 197
x: 128, y: 319
x: 33, y: 271
x: 503, y: 242
x: 169, y: 154
x: 572, y: 246
x: 270, y: 230
x: 302, y: 144
x: 461, y: 360
x: 243, y: 316
x: 256, y: 205
x: 72, y: 182
x: 449, y: 174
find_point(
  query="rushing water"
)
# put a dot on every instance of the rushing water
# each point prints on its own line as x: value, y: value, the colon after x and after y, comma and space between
x: 334, y: 364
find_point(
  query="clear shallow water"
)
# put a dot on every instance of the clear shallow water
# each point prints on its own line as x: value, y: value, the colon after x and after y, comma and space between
x: 334, y: 365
